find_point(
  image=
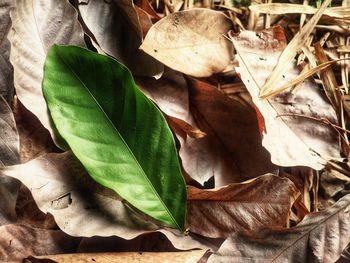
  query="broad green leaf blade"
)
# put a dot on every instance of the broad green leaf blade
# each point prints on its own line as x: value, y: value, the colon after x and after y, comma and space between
x: 119, y: 135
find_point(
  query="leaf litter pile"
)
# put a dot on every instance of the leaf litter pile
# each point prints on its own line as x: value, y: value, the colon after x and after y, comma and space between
x: 174, y: 131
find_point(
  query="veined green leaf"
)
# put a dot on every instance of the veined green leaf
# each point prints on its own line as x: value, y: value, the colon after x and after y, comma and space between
x: 119, y: 135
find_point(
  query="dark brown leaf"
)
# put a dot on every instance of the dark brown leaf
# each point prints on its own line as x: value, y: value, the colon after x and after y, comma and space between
x: 262, y: 202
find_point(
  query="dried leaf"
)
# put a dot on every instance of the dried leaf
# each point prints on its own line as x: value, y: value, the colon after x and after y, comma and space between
x: 41, y: 23
x: 262, y: 202
x: 292, y: 140
x: 320, y: 237
x: 126, y: 257
x: 18, y: 242
x: 191, y: 41
x: 80, y: 206
x: 6, y: 70
x: 116, y: 27
x: 232, y: 131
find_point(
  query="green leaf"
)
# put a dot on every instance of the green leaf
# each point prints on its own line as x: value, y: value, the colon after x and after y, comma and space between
x: 119, y: 135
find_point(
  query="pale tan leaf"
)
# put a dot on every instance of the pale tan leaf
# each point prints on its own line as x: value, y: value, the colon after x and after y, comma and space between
x: 320, y: 237
x: 127, y: 257
x: 36, y: 26
x: 291, y: 140
x: 6, y: 70
x: 286, y: 8
x: 289, y: 52
x: 191, y: 41
x: 81, y: 207
x: 116, y: 28
x: 262, y: 202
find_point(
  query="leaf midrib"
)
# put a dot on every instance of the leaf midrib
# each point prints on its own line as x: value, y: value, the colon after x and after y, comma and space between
x: 127, y: 146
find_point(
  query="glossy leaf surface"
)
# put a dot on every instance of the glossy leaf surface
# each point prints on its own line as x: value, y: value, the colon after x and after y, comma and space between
x: 119, y: 135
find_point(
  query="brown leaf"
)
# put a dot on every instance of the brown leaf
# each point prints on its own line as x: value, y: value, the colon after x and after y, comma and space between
x: 6, y: 70
x: 290, y: 138
x: 36, y: 26
x: 232, y: 133
x: 191, y: 41
x: 126, y: 257
x: 262, y: 202
x: 116, y: 27
x: 81, y: 207
x: 18, y: 242
x: 320, y: 237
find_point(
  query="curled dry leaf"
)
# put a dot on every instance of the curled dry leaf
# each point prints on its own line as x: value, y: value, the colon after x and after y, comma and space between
x: 19, y: 241
x: 116, y: 28
x: 320, y: 237
x: 9, y: 154
x: 80, y: 206
x: 6, y: 70
x: 262, y: 202
x: 233, y: 134
x: 296, y: 139
x: 161, y: 257
x: 41, y: 23
x: 191, y: 41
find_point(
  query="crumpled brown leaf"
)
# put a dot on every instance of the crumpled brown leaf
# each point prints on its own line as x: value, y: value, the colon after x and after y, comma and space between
x: 320, y: 237
x: 6, y: 70
x: 81, y: 207
x: 191, y: 42
x: 292, y: 136
x: 261, y: 202
x: 41, y: 23
x: 232, y: 132
x: 116, y: 28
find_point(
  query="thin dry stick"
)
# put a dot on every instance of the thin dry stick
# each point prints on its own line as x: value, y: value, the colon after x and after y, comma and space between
x: 291, y: 50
